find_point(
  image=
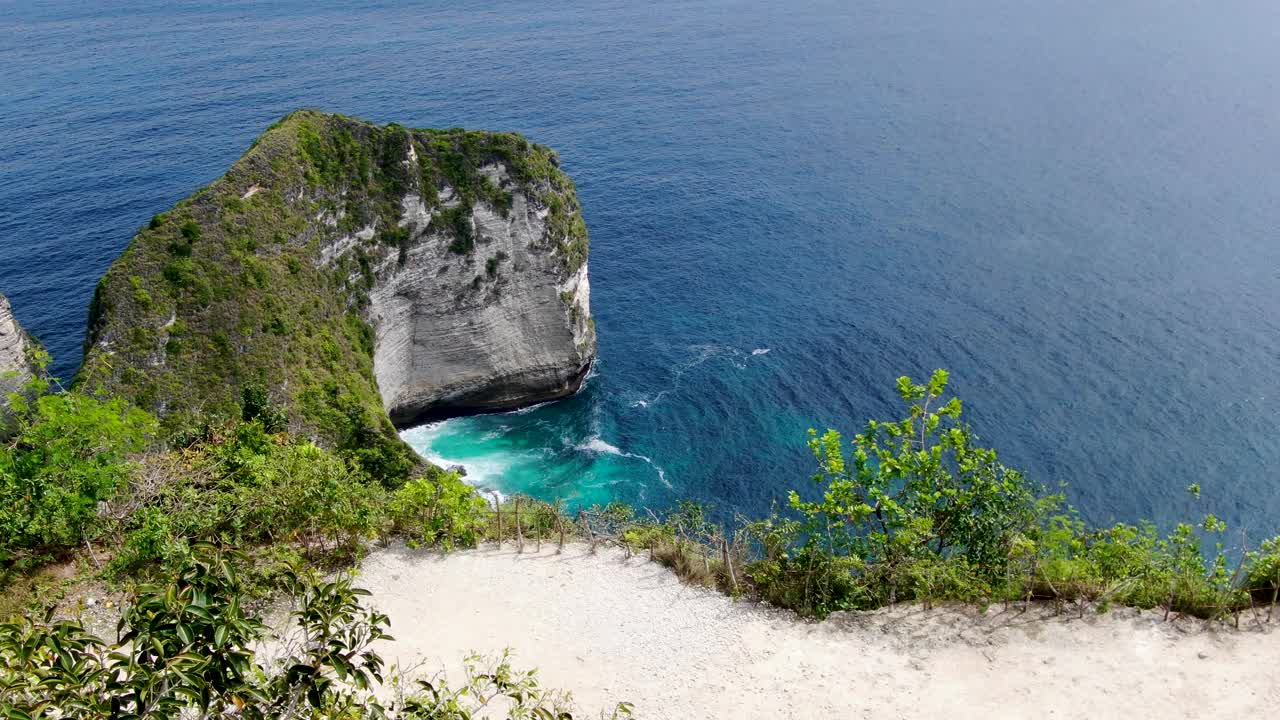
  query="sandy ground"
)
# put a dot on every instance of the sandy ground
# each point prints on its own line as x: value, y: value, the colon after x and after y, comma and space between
x: 612, y: 629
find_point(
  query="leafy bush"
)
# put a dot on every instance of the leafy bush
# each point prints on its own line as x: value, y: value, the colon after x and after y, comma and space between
x: 492, y: 682
x: 256, y: 404
x: 181, y: 272
x: 458, y: 220
x: 302, y: 492
x: 190, y: 231
x: 1263, y: 577
x: 916, y: 510
x: 443, y: 512
x: 71, y: 452
x: 249, y: 488
x: 153, y: 540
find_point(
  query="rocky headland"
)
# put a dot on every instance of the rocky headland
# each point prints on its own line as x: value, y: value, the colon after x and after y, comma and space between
x: 365, y: 276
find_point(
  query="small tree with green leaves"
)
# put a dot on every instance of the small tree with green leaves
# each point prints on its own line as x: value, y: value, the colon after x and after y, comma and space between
x: 914, y: 509
x: 440, y: 511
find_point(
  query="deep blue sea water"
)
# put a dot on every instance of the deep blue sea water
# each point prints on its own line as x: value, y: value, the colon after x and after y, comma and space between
x: 1073, y: 206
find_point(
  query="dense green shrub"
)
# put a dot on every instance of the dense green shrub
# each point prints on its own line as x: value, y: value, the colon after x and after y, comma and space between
x: 916, y: 510
x: 458, y: 219
x: 190, y: 231
x: 256, y: 404
x: 247, y: 488
x: 443, y: 511
x: 153, y: 540
x: 1263, y: 577
x: 71, y: 451
x: 181, y: 272
x: 910, y: 494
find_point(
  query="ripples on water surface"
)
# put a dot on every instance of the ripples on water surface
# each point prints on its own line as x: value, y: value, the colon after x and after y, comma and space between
x: 1073, y: 206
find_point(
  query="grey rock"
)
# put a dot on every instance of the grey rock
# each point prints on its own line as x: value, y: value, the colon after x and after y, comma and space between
x: 451, y: 338
x: 16, y: 367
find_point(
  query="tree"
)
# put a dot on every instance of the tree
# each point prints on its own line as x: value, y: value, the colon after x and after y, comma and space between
x: 914, y: 509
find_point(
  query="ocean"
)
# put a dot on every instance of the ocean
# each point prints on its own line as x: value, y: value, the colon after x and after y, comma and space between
x: 1074, y: 207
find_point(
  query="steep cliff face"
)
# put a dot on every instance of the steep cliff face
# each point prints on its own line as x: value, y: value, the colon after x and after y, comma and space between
x: 357, y: 272
x: 16, y: 363
x: 454, y: 337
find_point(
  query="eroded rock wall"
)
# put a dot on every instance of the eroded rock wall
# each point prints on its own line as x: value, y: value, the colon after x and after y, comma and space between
x: 16, y: 367
x: 507, y: 326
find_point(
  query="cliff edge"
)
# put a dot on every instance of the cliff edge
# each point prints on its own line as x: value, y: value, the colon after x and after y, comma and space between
x: 16, y: 365
x: 357, y: 273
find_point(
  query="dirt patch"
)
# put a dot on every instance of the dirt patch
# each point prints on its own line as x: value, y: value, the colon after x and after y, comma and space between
x: 611, y: 628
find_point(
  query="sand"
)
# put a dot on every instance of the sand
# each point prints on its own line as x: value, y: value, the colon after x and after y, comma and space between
x: 610, y: 628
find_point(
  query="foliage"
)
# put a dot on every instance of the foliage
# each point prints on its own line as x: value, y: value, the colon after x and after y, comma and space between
x: 443, y: 511
x: 917, y: 510
x: 916, y: 507
x: 255, y: 404
x: 70, y: 452
x: 683, y: 539
x: 489, y: 683
x: 248, y: 488
x: 1263, y: 577
x: 457, y: 219
x: 491, y: 265
x: 187, y: 645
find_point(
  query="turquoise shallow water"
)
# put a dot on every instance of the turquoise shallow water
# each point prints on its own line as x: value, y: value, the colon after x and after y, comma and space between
x: 1073, y: 206
x: 570, y: 449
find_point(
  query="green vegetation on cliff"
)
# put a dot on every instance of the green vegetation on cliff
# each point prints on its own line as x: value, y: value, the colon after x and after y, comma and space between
x: 912, y: 511
x: 916, y: 510
x: 261, y: 278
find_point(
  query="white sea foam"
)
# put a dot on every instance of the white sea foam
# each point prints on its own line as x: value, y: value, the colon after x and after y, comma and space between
x: 598, y: 445
x: 421, y: 436
x: 702, y: 353
x: 528, y: 409
x: 494, y: 434
x: 481, y: 473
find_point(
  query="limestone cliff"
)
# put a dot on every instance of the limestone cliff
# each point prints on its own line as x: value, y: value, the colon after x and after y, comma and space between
x: 454, y: 337
x: 357, y: 272
x: 16, y: 363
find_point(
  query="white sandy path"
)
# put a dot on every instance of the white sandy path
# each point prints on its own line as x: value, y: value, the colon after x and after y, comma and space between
x: 613, y: 629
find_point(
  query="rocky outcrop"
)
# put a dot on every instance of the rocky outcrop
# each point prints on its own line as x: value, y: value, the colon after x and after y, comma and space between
x: 16, y: 365
x: 355, y: 270
x: 456, y: 337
